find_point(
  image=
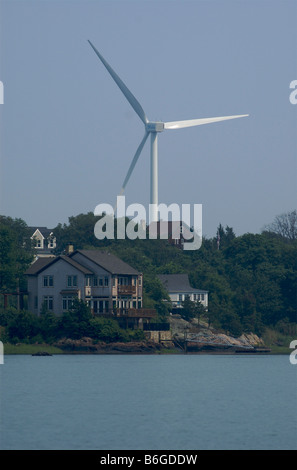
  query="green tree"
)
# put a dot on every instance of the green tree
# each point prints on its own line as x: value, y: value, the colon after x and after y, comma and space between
x: 24, y: 326
x: 156, y: 295
x: 188, y: 309
x: 16, y: 253
x: 107, y: 330
x: 79, y: 232
x: 75, y: 323
x: 48, y: 326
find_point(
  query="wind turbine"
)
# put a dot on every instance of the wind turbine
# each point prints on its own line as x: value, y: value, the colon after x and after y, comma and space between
x: 153, y: 128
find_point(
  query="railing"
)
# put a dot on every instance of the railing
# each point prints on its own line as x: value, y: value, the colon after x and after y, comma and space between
x: 136, y: 312
x: 128, y: 290
x: 128, y: 312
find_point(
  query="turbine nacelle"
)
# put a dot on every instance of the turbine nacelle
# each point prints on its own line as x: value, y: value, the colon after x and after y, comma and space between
x: 154, y: 126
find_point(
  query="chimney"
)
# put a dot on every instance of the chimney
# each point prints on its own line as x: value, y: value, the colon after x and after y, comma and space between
x: 69, y: 249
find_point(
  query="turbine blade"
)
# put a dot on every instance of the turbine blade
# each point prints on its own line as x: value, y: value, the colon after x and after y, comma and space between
x: 130, y: 97
x: 134, y: 161
x: 198, y: 122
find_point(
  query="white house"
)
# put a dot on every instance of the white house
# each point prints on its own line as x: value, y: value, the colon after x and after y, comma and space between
x: 44, y: 241
x: 178, y: 287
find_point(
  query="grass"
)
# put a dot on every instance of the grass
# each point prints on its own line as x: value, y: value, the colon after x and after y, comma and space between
x: 23, y: 348
x: 280, y: 349
x: 278, y: 342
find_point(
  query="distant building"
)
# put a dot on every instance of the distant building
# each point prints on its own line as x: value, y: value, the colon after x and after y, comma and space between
x: 105, y: 282
x: 176, y: 232
x: 178, y: 287
x: 44, y: 241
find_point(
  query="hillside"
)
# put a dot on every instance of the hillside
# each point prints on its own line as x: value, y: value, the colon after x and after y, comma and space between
x: 251, y: 279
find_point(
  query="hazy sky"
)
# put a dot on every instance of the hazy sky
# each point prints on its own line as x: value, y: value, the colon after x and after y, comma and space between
x: 68, y: 135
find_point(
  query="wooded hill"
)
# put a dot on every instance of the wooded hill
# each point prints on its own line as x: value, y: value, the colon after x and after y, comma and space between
x: 251, y: 279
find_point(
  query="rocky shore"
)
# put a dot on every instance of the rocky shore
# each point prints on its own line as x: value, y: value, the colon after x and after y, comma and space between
x: 88, y: 346
x: 200, y: 338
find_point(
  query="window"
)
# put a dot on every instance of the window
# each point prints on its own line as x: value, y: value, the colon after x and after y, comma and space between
x: 100, y: 281
x: 71, y: 281
x: 51, y: 243
x: 48, y: 301
x: 35, y: 301
x: 88, y: 281
x: 67, y: 301
x: 48, y: 281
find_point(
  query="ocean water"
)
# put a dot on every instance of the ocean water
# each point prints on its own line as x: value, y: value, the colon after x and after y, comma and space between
x: 148, y: 402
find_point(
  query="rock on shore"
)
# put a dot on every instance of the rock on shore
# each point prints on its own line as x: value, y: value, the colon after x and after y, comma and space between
x: 209, y: 337
x: 87, y: 345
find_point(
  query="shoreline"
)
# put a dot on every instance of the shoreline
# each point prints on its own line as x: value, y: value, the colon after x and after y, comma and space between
x: 130, y: 349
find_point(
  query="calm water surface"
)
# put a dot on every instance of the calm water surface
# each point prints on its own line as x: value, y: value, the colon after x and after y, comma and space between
x: 175, y: 402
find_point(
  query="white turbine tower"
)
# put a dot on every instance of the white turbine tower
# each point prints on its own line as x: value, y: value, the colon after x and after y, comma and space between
x: 153, y: 128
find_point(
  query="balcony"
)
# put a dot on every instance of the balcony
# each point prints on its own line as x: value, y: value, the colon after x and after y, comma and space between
x: 126, y: 290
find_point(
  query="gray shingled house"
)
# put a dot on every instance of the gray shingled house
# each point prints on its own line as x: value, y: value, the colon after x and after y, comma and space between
x: 104, y: 281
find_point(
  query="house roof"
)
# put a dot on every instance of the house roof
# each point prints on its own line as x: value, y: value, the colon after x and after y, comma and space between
x: 43, y: 263
x: 178, y: 283
x: 38, y: 265
x: 108, y: 261
x: 43, y: 230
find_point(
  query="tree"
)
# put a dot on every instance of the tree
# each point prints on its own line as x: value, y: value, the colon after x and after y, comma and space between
x: 188, y: 309
x: 16, y: 253
x: 79, y: 232
x: 108, y: 330
x: 199, y: 310
x: 284, y: 225
x: 7, y: 259
x: 24, y: 326
x: 224, y: 236
x: 48, y: 326
x: 75, y: 323
x: 156, y: 296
